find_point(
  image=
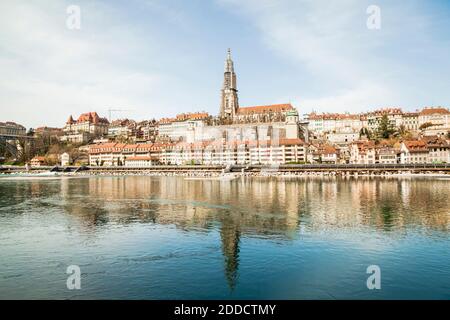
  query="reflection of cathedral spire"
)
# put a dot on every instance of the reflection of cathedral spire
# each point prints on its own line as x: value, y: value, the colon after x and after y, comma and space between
x: 230, y: 235
x: 229, y: 103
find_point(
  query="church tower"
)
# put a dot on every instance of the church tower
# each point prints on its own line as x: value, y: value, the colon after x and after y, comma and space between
x: 229, y: 103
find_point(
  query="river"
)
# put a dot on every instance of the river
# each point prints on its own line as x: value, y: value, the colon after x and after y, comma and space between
x: 138, y: 237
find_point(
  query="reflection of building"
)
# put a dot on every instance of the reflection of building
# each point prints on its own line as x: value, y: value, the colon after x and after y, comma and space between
x: 271, y: 210
x: 230, y: 236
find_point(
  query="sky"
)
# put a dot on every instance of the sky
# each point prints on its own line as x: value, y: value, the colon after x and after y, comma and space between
x: 156, y: 59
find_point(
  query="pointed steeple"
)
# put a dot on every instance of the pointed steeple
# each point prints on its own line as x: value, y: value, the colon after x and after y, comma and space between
x: 70, y: 120
x: 229, y: 102
x: 229, y: 67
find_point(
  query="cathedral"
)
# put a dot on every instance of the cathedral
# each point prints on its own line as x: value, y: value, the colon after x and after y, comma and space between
x: 231, y: 113
x: 229, y: 104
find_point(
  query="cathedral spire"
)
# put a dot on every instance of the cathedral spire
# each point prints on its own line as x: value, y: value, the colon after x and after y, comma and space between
x: 229, y: 104
x: 228, y: 62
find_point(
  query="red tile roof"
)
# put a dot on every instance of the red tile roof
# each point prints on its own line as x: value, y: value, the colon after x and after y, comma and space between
x: 88, y: 117
x: 184, y: 117
x: 383, y: 111
x: 192, y: 116
x: 290, y: 142
x: 264, y: 109
x: 416, y: 146
x: 438, y: 110
x: 333, y: 116
x: 328, y: 150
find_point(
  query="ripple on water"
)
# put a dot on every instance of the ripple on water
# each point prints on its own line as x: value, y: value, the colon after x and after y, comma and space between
x: 249, y: 238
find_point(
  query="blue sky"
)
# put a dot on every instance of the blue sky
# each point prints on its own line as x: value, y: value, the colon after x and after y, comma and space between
x: 160, y: 58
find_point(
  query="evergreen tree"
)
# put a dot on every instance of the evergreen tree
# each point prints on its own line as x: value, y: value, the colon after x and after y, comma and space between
x: 364, y: 132
x: 385, y: 128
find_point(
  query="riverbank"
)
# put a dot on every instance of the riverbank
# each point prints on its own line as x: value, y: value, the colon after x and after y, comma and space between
x: 198, y: 175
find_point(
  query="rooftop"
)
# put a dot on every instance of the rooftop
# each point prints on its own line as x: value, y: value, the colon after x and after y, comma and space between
x: 265, y: 109
x: 434, y: 110
x: 91, y: 117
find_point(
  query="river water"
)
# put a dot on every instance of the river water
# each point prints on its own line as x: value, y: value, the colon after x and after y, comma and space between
x: 139, y: 237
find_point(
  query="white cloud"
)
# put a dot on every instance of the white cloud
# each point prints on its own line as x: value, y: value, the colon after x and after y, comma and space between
x: 330, y: 43
x: 49, y: 71
x: 148, y: 57
x: 358, y: 99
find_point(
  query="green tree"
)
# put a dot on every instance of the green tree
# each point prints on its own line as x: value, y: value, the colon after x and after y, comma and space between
x: 30, y: 132
x: 364, y: 132
x: 425, y: 125
x: 385, y: 128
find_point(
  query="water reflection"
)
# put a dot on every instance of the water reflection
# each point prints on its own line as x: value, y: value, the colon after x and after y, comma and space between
x: 270, y: 208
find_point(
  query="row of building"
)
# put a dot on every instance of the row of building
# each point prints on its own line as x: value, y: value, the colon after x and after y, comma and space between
x: 336, y: 128
x: 264, y: 134
x: 430, y: 120
x: 284, y: 119
x: 284, y: 151
x: 429, y: 149
x: 206, y: 153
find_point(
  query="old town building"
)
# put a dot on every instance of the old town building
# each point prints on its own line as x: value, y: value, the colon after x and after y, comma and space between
x: 412, y: 152
x: 435, y: 121
x: 87, y: 126
x: 363, y: 152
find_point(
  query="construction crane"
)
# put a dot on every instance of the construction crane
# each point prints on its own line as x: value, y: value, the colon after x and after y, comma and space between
x: 116, y: 110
